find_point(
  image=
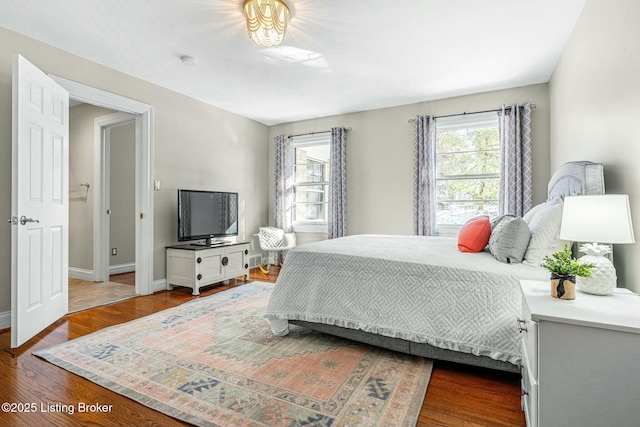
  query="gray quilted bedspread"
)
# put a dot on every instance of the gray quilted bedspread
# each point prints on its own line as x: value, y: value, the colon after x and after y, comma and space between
x: 416, y: 288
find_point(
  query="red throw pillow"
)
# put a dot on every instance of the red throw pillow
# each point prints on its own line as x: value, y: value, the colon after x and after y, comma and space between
x: 474, y: 234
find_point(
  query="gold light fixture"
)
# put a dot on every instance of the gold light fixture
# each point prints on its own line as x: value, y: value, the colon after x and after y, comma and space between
x: 266, y: 20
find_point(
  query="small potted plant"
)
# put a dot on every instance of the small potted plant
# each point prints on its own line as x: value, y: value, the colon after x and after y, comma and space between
x: 564, y: 268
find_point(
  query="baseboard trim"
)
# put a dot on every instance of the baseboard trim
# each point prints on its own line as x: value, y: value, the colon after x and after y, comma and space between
x: 122, y: 268
x: 79, y: 273
x: 159, y: 285
x: 5, y: 320
x: 82, y: 274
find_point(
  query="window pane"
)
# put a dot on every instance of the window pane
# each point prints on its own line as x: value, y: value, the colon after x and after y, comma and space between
x: 468, y: 151
x: 310, y: 212
x: 457, y: 213
x: 311, y: 164
x: 460, y: 199
x: 467, y: 167
x: 310, y: 202
x: 310, y: 193
x: 468, y: 163
x: 311, y: 177
x: 474, y: 139
x: 310, y: 172
x: 467, y: 189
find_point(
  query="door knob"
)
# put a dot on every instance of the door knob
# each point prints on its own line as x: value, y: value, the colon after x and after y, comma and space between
x: 24, y: 220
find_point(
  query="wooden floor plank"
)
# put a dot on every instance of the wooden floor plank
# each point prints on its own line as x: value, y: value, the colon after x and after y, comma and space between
x: 457, y: 395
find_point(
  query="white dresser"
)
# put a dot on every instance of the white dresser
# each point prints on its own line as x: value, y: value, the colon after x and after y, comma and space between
x: 581, y: 358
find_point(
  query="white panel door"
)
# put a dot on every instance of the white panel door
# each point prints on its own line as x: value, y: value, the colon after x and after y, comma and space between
x: 39, y: 201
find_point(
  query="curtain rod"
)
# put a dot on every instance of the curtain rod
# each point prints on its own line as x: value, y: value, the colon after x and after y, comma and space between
x: 533, y: 107
x: 314, y: 133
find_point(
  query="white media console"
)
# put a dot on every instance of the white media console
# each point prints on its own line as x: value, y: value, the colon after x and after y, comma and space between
x: 196, y: 266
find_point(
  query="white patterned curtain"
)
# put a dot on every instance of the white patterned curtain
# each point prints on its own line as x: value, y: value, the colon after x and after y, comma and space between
x: 516, y: 163
x: 338, y: 192
x: 283, y: 194
x: 424, y: 214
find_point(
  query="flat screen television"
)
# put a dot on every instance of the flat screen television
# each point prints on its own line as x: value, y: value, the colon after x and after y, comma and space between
x: 207, y: 215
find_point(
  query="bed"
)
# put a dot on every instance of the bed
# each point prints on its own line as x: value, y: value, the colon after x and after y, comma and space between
x: 421, y: 295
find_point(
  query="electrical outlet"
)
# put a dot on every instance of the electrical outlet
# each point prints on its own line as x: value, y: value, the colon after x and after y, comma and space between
x: 114, y: 251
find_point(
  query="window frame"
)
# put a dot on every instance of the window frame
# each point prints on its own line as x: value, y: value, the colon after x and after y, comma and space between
x: 311, y: 140
x: 461, y: 122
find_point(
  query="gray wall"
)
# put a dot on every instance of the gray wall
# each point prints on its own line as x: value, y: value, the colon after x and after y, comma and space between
x: 122, y: 221
x: 196, y: 146
x: 81, y: 171
x: 380, y: 155
x: 595, y: 112
x: 81, y: 201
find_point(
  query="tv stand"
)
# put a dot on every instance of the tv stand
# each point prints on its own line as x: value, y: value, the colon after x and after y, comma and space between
x: 195, y: 266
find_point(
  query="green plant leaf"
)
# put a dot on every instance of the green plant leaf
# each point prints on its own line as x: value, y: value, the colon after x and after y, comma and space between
x: 563, y: 263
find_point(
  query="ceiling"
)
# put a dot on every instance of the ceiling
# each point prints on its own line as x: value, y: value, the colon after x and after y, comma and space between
x: 338, y: 56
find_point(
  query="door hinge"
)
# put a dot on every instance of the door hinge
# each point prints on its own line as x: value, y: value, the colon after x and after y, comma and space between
x: 141, y: 215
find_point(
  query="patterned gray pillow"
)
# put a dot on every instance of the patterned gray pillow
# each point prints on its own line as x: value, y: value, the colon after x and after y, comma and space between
x: 509, y: 239
x: 272, y: 237
x: 495, y: 221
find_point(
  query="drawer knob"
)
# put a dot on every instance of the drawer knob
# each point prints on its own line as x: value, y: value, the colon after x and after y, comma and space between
x: 199, y: 276
x: 522, y: 325
x: 225, y: 261
x: 199, y: 260
x: 246, y: 252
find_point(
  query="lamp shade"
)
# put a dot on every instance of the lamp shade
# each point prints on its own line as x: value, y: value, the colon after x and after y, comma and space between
x: 604, y: 219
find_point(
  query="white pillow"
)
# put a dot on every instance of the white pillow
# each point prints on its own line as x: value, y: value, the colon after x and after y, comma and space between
x: 544, y: 222
x: 529, y: 215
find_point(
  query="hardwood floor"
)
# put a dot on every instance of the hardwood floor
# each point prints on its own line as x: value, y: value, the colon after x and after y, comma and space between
x: 457, y: 395
x: 460, y: 395
x: 124, y: 278
x: 86, y: 294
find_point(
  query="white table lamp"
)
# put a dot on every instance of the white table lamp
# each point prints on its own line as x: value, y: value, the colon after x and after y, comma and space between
x: 599, y: 219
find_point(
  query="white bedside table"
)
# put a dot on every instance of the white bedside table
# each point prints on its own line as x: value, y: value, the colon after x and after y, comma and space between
x: 580, y: 358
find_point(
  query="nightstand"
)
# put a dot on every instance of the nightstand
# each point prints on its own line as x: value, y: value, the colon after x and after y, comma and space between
x: 580, y: 358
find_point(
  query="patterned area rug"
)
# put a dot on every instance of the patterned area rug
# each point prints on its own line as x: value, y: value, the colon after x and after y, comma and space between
x: 214, y: 362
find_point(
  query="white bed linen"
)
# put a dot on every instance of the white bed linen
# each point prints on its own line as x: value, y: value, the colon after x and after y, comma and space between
x: 416, y: 288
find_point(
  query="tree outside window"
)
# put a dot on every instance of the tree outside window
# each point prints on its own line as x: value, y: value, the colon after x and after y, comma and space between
x: 467, y: 168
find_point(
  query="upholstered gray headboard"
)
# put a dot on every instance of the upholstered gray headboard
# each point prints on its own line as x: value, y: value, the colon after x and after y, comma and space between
x: 576, y: 178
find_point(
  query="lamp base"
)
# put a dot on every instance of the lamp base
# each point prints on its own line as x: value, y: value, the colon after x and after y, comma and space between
x: 603, y: 280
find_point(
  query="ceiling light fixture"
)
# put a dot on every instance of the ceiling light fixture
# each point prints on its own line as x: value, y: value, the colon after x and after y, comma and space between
x: 266, y: 20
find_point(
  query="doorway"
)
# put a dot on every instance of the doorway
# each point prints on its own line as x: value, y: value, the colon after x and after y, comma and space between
x: 109, y: 158
x: 144, y: 173
x: 114, y: 202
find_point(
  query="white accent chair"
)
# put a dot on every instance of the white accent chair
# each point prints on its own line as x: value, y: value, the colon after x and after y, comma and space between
x: 273, y: 240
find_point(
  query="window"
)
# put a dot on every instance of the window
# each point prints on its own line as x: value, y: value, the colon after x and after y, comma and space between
x: 311, y: 182
x: 467, y: 169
